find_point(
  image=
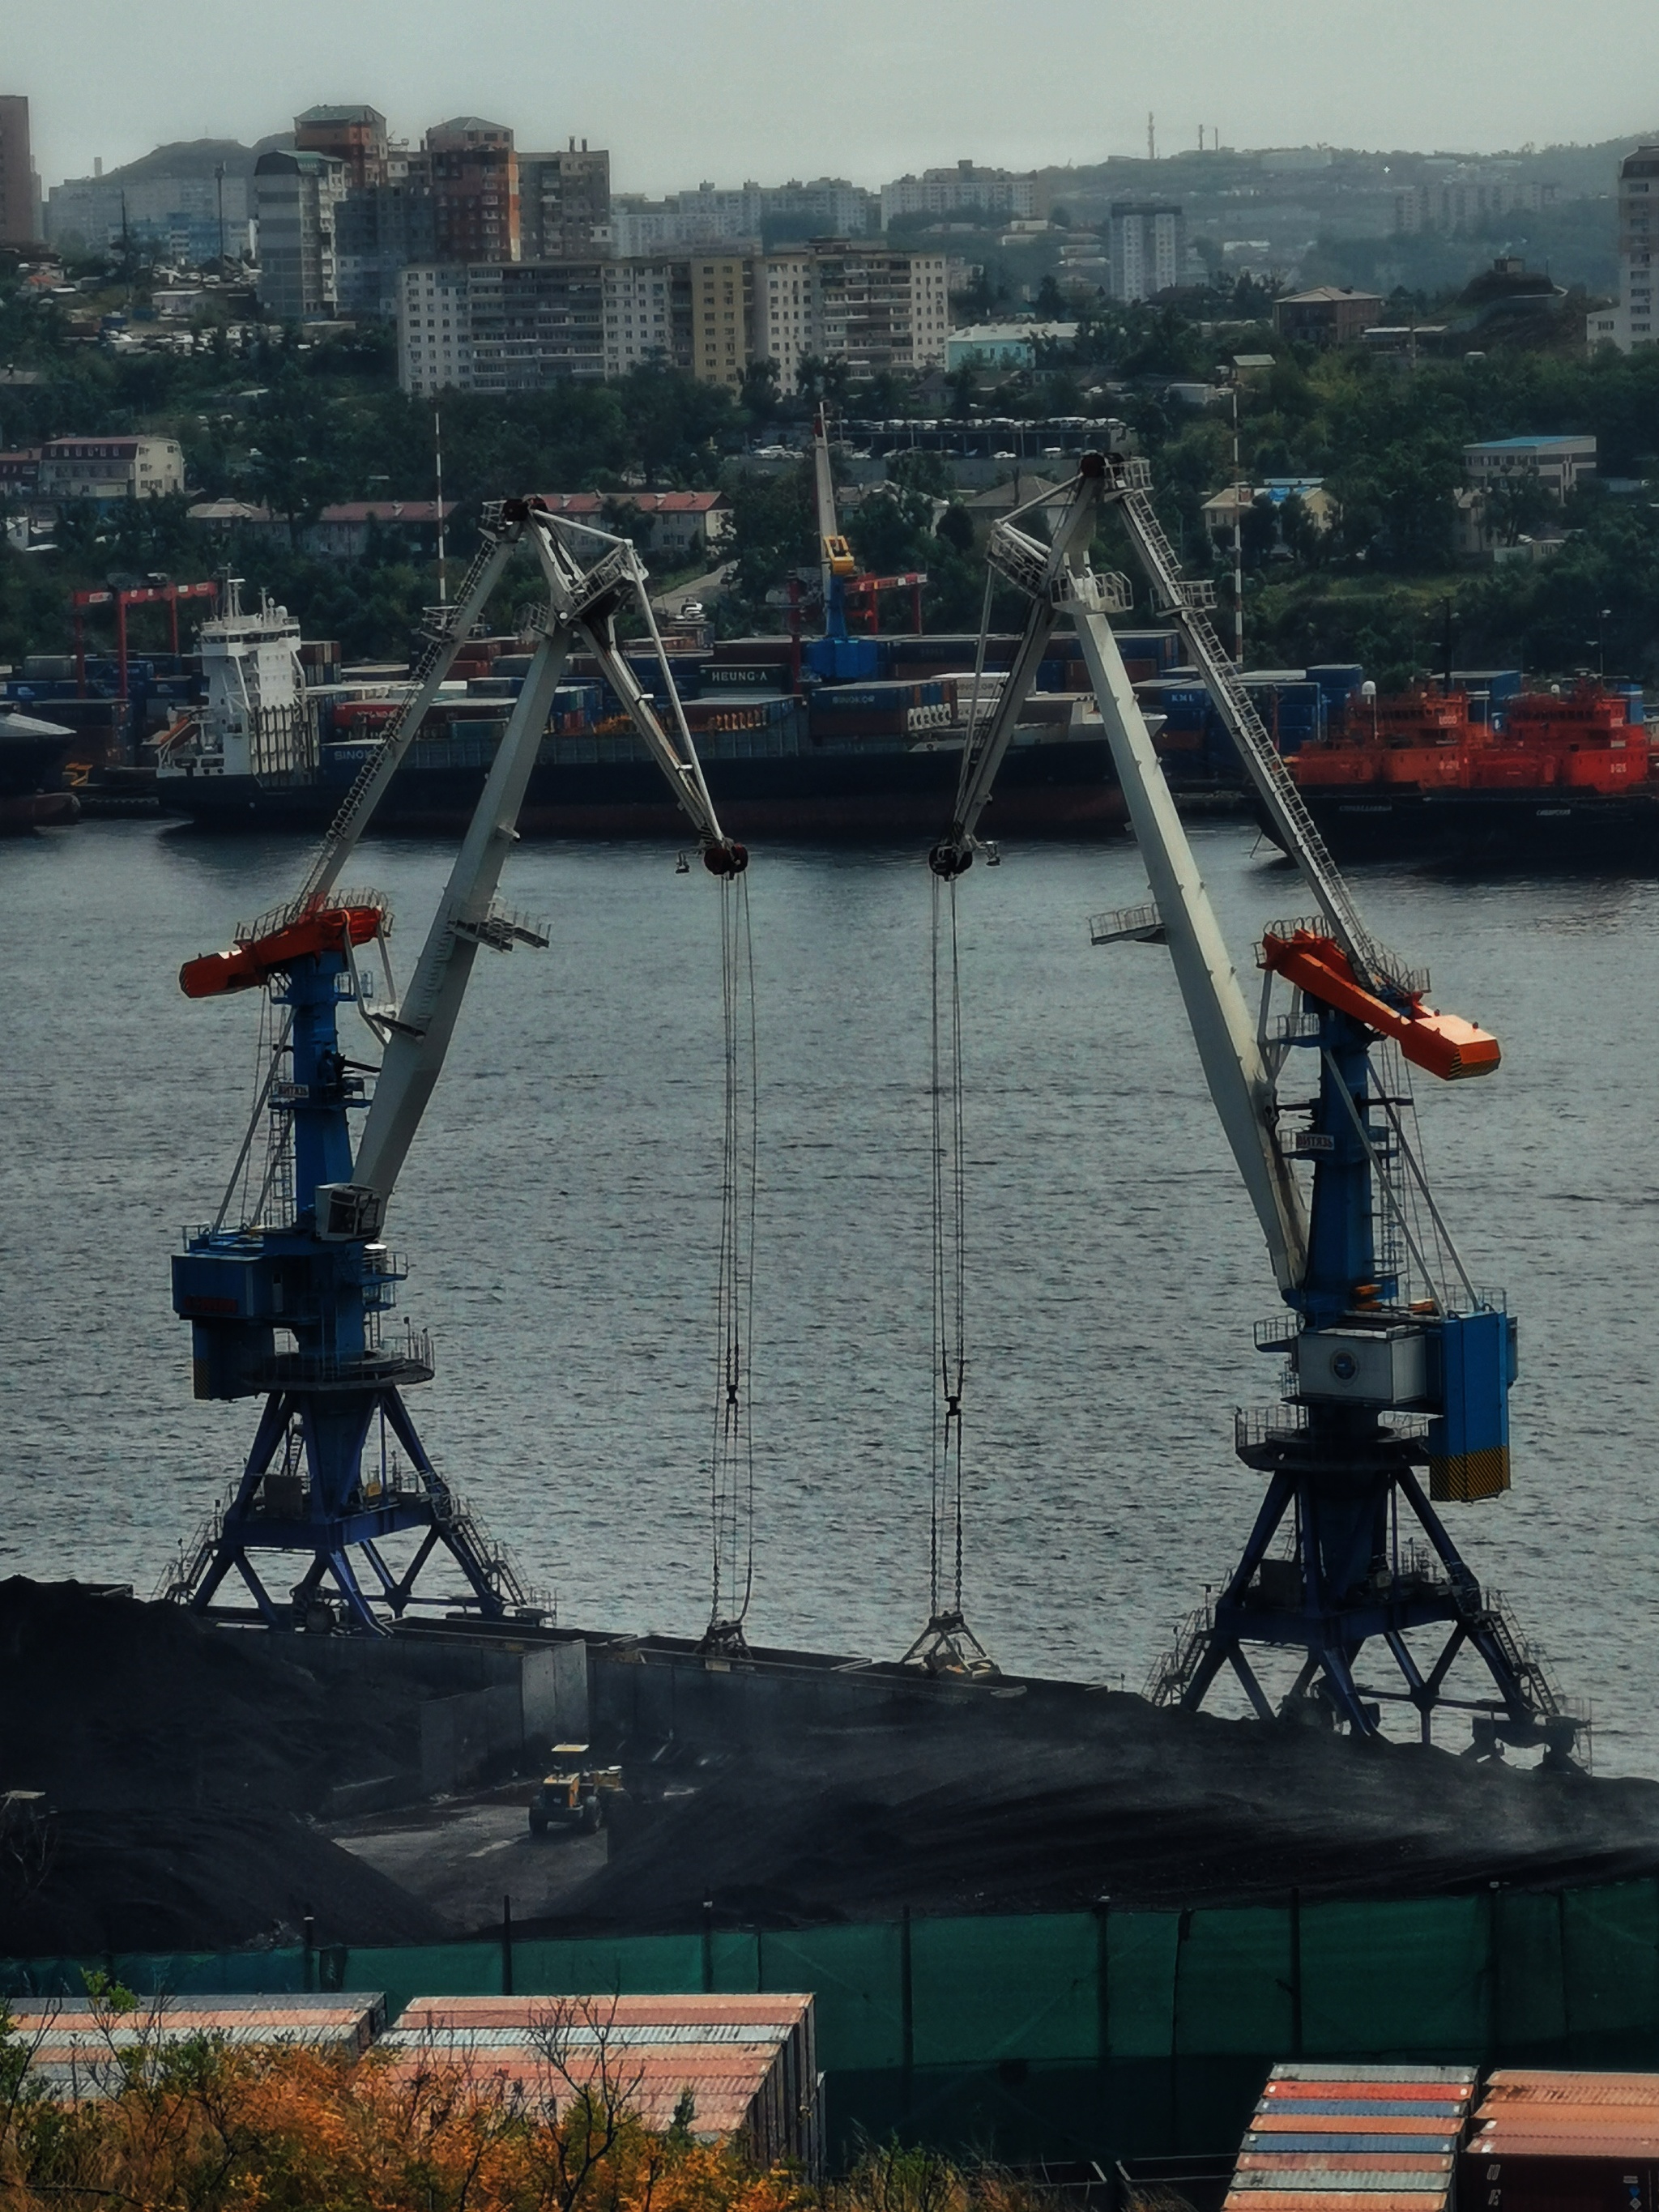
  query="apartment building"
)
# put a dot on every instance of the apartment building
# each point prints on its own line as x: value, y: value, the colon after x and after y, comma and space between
x: 998, y: 193
x: 109, y: 470
x: 743, y: 215
x: 20, y: 188
x: 784, y: 324
x: 564, y: 204
x: 184, y: 203
x: 435, y: 330
x: 876, y: 309
x: 353, y: 135
x: 500, y: 326
x: 648, y: 313
x: 1458, y: 204
x: 377, y: 233
x: 1148, y: 248
x: 1631, y: 322
x: 474, y: 171
x: 510, y: 326
x: 722, y: 316
x: 297, y: 198
x: 534, y: 323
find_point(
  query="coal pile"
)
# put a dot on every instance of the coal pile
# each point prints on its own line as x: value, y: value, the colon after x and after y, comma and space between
x: 181, y: 1763
x: 1052, y: 1800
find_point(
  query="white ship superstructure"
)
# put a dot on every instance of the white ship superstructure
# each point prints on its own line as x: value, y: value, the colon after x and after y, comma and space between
x: 254, y: 719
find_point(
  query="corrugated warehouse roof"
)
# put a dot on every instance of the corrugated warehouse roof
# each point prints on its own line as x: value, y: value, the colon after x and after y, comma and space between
x: 1353, y: 2139
x: 750, y: 2063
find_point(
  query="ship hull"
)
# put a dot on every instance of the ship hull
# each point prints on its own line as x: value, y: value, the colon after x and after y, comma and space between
x: 1053, y: 790
x: 21, y: 812
x: 1569, y: 828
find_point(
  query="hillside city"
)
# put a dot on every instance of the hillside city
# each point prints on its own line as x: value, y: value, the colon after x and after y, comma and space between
x: 824, y: 1379
x: 1368, y: 384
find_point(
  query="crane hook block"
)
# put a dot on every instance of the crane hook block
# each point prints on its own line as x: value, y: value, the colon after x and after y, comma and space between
x: 247, y: 965
x: 728, y: 859
x: 1441, y: 1044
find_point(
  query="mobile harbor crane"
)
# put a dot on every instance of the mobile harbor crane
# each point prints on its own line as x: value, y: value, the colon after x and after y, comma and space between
x: 1394, y: 1359
x: 286, y: 1288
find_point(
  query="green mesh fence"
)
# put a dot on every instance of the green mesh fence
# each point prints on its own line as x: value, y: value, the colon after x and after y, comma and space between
x: 1062, y: 2035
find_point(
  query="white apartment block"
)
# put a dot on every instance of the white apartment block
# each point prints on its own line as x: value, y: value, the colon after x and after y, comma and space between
x: 1459, y: 205
x: 648, y: 311
x: 783, y: 314
x: 516, y: 327
x: 996, y: 192
x: 1148, y: 248
x: 435, y: 330
x: 877, y: 309
x: 110, y: 469
x: 825, y: 207
x: 1631, y: 323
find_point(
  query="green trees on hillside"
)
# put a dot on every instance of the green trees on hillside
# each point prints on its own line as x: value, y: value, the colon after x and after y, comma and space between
x: 291, y: 425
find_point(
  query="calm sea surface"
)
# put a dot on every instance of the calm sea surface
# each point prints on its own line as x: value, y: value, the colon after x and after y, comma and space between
x: 560, y: 1212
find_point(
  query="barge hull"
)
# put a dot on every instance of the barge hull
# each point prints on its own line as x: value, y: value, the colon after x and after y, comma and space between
x: 1064, y: 791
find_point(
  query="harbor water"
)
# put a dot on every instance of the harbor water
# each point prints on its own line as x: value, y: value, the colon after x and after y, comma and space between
x: 560, y: 1213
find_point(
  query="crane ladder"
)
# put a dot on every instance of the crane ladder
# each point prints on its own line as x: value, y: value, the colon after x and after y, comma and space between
x: 1185, y: 601
x: 377, y: 770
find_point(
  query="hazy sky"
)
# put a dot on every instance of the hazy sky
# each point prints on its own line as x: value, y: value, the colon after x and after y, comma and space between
x: 685, y: 90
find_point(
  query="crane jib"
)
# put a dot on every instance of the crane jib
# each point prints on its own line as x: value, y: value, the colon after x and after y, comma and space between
x: 1441, y: 1044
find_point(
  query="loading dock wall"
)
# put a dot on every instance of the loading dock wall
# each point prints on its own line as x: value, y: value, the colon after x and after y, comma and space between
x: 648, y: 1691
x: 476, y: 1705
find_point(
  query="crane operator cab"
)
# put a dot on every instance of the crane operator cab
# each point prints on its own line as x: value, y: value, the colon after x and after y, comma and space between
x: 573, y: 1794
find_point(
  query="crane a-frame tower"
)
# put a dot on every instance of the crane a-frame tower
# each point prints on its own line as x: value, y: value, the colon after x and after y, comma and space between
x: 286, y: 1292
x: 1396, y: 1363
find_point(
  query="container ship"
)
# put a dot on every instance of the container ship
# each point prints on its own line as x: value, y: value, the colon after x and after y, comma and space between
x: 849, y: 737
x: 1559, y: 774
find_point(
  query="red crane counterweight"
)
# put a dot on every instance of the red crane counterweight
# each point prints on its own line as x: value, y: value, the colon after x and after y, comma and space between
x: 1443, y: 1044
x: 247, y: 966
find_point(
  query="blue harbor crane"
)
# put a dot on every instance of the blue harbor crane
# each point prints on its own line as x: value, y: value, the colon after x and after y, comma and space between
x: 1396, y: 1363
x: 288, y: 1289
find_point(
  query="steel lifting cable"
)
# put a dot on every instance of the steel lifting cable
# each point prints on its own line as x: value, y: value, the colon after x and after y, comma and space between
x: 950, y: 1257
x: 732, y: 1462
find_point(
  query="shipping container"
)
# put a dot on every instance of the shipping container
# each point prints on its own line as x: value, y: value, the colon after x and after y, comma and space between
x: 750, y: 2062
x: 1361, y: 2138
x: 1564, y: 2142
x: 77, y: 2053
